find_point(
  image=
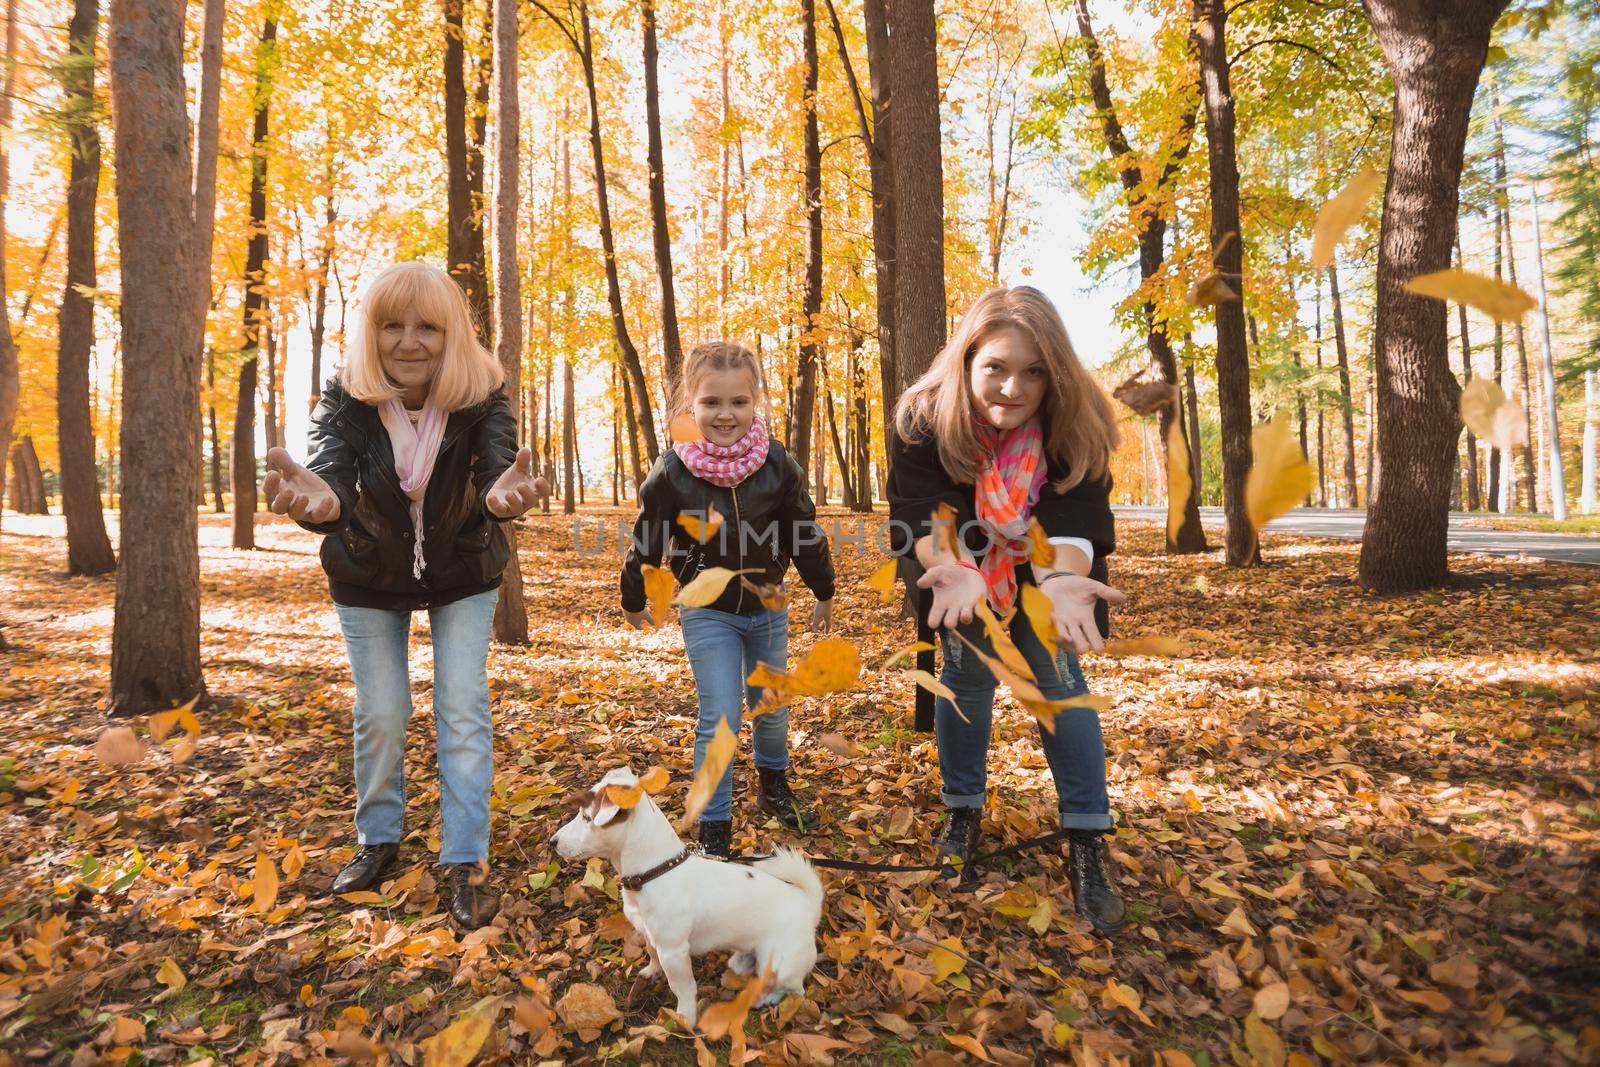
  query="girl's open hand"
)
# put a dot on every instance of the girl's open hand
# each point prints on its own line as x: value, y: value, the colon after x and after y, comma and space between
x: 639, y: 620
x: 516, y: 490
x: 1072, y: 601
x: 292, y: 490
x: 822, y: 617
x: 957, y: 589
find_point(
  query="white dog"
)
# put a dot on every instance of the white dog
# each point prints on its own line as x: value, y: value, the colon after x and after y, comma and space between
x: 685, y: 905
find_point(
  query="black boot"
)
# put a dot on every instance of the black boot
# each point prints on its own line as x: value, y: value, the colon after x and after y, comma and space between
x: 467, y: 895
x: 715, y: 838
x: 779, y: 801
x: 366, y: 868
x: 1089, y: 868
x: 960, y: 841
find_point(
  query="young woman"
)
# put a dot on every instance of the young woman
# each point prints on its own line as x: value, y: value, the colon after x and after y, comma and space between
x: 413, y: 467
x: 1007, y: 426
x: 768, y: 518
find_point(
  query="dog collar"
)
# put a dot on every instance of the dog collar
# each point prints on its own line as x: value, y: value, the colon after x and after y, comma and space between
x: 636, y: 882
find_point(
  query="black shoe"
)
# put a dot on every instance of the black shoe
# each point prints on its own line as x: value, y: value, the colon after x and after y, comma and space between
x: 715, y: 838
x: 1093, y: 895
x: 468, y: 897
x: 366, y: 868
x: 960, y: 841
x: 779, y: 801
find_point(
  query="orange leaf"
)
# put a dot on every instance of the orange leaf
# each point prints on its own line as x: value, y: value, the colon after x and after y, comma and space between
x: 658, y: 583
x: 702, y: 529
x: 1178, y: 481
x: 883, y: 579
x: 718, y: 1019
x: 684, y: 429
x: 718, y: 755
x: 265, y: 883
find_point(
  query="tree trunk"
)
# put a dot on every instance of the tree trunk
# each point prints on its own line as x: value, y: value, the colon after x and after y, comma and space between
x: 633, y: 434
x: 1435, y: 50
x: 1495, y: 454
x: 918, y: 168
x: 244, y: 421
x: 319, y: 307
x: 1502, y: 194
x: 204, y: 192
x: 1466, y: 377
x: 1348, y: 406
x: 10, y: 373
x: 274, y: 432
x: 88, y: 547
x: 27, y: 480
x: 1591, y: 441
x: 464, y: 169
x: 1322, y: 464
x: 1196, y: 465
x: 155, y: 643
x: 671, y: 345
x: 880, y: 169
x: 804, y: 412
x: 1552, y: 406
x: 569, y: 440
x: 511, y: 612
x: 1233, y: 360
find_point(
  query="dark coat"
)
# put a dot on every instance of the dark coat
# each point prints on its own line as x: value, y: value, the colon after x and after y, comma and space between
x: 367, y: 552
x: 768, y: 519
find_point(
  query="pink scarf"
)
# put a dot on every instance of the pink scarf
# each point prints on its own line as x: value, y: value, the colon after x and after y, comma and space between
x: 1007, y: 489
x: 726, y: 465
x: 415, y: 449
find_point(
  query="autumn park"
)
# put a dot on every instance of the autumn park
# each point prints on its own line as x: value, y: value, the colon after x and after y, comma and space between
x: 579, y: 531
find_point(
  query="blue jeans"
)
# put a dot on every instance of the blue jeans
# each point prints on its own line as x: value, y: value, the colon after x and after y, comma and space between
x: 723, y: 649
x: 376, y: 641
x: 1075, y: 750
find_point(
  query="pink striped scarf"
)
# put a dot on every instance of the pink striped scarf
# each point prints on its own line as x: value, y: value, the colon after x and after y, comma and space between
x: 1008, y: 487
x: 726, y: 465
x: 415, y: 449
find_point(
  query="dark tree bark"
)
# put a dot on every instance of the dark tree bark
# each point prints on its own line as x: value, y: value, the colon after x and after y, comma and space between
x: 155, y: 643
x: 918, y: 167
x: 569, y: 440
x: 671, y: 345
x: 1435, y: 50
x: 1233, y: 360
x: 10, y: 372
x: 464, y: 168
x: 811, y: 294
x: 1466, y: 378
x: 1322, y: 456
x: 1194, y: 426
x: 319, y: 303
x: 633, y: 434
x: 204, y: 191
x: 88, y: 547
x: 255, y: 274
x: 1145, y: 210
x: 1495, y: 455
x: 27, y: 479
x: 1347, y: 408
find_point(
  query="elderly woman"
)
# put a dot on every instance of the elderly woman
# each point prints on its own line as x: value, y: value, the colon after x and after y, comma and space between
x: 413, y: 467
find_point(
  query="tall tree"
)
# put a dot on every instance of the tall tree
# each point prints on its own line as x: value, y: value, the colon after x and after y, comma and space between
x: 671, y: 345
x: 155, y: 643
x: 1435, y: 50
x: 1503, y: 200
x: 255, y: 281
x: 1347, y: 404
x: 917, y: 164
x: 1552, y: 407
x: 464, y: 168
x: 803, y: 413
x: 1233, y: 359
x: 511, y: 612
x: 205, y: 200
x: 10, y: 375
x: 319, y: 302
x: 88, y: 547
x: 1466, y: 377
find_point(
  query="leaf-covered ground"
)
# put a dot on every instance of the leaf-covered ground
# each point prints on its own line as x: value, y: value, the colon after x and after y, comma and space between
x: 1352, y: 829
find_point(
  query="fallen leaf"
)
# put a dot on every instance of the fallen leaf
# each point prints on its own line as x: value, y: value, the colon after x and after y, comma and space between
x: 265, y: 884
x: 1263, y: 1042
x: 838, y: 744
x: 1495, y: 297
x: 587, y: 1007
x: 171, y: 975
x: 1458, y: 971
x: 1115, y: 994
x: 948, y: 958
x: 457, y: 1044
x: 1341, y: 213
x: 1271, y: 1001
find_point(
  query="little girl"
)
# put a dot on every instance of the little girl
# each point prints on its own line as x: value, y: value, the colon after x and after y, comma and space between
x: 1006, y: 425
x: 767, y: 519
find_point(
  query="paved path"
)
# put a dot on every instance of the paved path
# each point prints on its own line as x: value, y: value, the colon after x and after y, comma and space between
x: 1345, y: 524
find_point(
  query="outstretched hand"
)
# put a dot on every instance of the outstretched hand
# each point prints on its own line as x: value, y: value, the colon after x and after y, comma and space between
x: 292, y: 490
x: 516, y: 490
x: 957, y: 589
x: 1072, y: 602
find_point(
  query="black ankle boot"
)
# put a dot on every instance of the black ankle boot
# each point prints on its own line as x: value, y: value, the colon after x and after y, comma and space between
x: 468, y: 897
x: 1093, y: 895
x: 959, y: 842
x: 366, y: 868
x: 779, y: 801
x: 715, y: 838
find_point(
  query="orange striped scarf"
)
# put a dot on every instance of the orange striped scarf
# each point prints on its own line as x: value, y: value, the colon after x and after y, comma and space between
x: 1006, y: 491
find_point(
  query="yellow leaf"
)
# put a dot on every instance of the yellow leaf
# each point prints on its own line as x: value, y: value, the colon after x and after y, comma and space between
x: 701, y: 529
x: 968, y: 1043
x: 1115, y: 994
x: 684, y: 429
x: 457, y: 1044
x: 293, y: 861
x: 944, y: 529
x: 718, y: 1019
x: 1237, y: 924
x: 658, y: 590
x: 1178, y: 481
x: 945, y: 960
x: 932, y: 685
x: 772, y: 596
x: 123, y: 1030
x: 1211, y: 289
x: 1497, y: 298
x: 1492, y: 417
x: 832, y: 666
x: 171, y: 975
x: 707, y: 586
x: 587, y: 1007
x: 1431, y: 999
x: 119, y: 746
x: 1341, y: 213
x: 624, y: 796
x: 1279, y: 477
x: 839, y: 745
x: 1037, y: 607
x: 1146, y: 646
x: 1263, y: 1042
x: 265, y: 883
x: 1271, y: 1001
x: 908, y: 652
x: 883, y: 579
x: 718, y: 754
x: 162, y: 722
x: 1041, y: 553
x: 1000, y: 637
x: 1026, y: 693
x: 655, y: 780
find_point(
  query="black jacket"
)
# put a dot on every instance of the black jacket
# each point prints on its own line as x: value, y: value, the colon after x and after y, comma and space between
x: 367, y: 552
x: 768, y: 519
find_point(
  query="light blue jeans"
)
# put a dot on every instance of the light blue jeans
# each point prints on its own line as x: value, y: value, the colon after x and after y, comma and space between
x: 723, y: 649
x: 376, y: 641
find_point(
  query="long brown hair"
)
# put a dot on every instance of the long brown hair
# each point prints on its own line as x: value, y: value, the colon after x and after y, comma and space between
x: 1080, y: 427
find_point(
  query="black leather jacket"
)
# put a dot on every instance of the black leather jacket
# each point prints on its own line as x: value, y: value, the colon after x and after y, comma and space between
x: 768, y: 519
x: 367, y: 552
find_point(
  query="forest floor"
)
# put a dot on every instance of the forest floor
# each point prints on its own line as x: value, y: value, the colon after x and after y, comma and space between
x: 1352, y: 829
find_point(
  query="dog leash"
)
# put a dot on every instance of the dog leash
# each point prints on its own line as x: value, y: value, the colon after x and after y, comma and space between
x: 897, y: 868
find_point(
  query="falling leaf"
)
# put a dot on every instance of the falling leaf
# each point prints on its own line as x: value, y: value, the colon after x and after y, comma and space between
x: 457, y: 1044
x: 1279, y: 476
x: 119, y: 746
x: 944, y: 529
x: 932, y: 685
x: 839, y: 745
x: 658, y: 584
x: 171, y: 975
x: 627, y: 796
x: 1491, y: 416
x: 832, y: 666
x: 1115, y: 994
x: 1146, y: 646
x: 163, y: 722
x: 948, y: 958
x: 1026, y: 693
x: 265, y: 884
x: 701, y: 528
x: 707, y: 586
x: 1178, y: 481
x: 587, y: 1007
x: 1040, y: 614
x: 1144, y: 394
x: 1210, y: 290
x: 718, y: 1019
x: 1271, y: 1001
x: 1495, y: 297
x: 895, y: 659
x: 1341, y: 213
x: 1041, y: 553
x: 883, y: 579
x: 685, y: 430
x: 772, y: 596
x: 718, y: 754
x: 1000, y: 638
x: 1263, y: 1042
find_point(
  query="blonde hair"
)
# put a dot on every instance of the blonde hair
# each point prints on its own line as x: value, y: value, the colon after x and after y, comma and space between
x: 468, y: 372
x: 1080, y: 427
x: 711, y: 357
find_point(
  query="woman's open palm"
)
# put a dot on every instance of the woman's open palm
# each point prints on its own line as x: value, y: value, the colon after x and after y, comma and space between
x: 292, y: 490
x: 517, y: 489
